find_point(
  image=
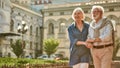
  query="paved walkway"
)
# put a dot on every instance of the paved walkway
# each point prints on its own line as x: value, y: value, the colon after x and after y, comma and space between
x: 116, y: 64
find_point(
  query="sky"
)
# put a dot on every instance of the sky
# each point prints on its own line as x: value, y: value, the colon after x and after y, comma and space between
x: 39, y: 7
x: 67, y: 1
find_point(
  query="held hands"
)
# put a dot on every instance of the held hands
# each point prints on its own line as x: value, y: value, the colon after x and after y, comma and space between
x: 93, y: 40
x: 89, y: 42
x: 89, y: 45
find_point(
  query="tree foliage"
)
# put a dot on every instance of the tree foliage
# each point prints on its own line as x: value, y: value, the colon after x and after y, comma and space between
x: 50, y: 46
x: 17, y: 48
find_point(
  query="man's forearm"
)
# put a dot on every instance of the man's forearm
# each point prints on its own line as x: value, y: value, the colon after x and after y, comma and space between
x: 90, y: 40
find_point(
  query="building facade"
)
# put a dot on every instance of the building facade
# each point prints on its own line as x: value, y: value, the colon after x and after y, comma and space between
x: 4, y: 25
x: 11, y: 15
x: 57, y: 18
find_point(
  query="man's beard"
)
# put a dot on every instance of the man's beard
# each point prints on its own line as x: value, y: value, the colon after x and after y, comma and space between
x: 96, y: 17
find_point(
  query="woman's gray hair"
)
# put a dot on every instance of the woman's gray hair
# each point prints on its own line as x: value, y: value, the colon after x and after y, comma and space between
x: 78, y: 9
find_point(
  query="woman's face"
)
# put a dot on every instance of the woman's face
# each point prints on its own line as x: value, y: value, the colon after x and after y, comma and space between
x: 78, y: 16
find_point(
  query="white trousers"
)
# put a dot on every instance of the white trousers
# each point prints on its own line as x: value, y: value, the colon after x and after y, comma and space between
x: 81, y: 65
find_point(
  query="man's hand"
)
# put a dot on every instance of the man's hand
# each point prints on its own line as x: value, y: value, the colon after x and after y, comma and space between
x: 89, y: 45
x: 97, y: 40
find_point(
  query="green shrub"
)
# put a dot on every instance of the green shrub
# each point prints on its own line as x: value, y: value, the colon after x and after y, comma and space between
x: 50, y: 61
x: 22, y: 62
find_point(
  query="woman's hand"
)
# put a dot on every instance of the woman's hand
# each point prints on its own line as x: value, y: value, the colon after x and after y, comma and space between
x: 89, y: 45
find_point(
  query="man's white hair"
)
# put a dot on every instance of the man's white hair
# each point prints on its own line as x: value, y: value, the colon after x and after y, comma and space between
x: 100, y: 8
x: 78, y: 9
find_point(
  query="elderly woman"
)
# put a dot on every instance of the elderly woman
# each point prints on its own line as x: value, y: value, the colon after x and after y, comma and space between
x: 78, y: 31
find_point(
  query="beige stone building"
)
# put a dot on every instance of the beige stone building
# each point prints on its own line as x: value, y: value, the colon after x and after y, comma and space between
x: 11, y: 16
x: 4, y: 25
x: 57, y: 18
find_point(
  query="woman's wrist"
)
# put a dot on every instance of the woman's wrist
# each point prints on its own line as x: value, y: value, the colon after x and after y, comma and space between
x: 84, y: 43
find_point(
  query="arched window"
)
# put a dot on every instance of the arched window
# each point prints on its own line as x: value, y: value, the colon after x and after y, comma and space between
x: 12, y: 25
x: 30, y: 30
x: 3, y: 4
x: 36, y: 31
x: 36, y: 46
x: 62, y: 27
x: 51, y: 28
x: 1, y: 17
x: 31, y: 45
x: 0, y: 3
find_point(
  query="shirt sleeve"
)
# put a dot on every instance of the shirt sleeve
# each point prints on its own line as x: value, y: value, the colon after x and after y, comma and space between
x: 88, y: 33
x: 106, y: 36
x: 73, y: 40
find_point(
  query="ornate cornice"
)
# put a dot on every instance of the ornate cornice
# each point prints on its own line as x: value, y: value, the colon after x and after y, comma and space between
x: 71, y: 7
x: 26, y: 9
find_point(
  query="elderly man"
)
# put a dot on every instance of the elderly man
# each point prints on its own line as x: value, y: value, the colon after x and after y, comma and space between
x: 100, y: 38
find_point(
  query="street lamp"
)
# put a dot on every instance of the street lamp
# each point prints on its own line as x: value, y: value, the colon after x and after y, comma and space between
x: 22, y: 29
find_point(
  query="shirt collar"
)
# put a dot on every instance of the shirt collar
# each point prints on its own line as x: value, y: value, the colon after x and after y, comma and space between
x: 99, y: 22
x: 75, y: 24
x: 96, y: 25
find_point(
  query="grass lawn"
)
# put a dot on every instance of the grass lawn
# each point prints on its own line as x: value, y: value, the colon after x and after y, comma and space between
x: 17, y: 61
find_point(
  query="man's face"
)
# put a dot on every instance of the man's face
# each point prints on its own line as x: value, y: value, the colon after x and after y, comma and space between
x: 96, y: 14
x: 78, y: 15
